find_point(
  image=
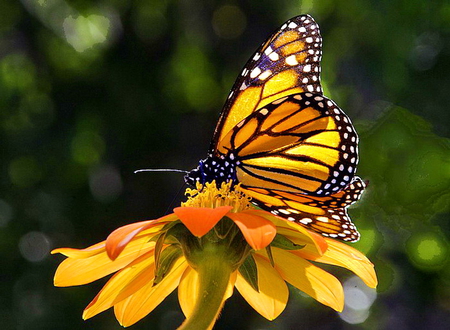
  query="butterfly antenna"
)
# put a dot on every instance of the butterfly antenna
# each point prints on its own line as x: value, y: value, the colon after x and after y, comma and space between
x: 160, y: 170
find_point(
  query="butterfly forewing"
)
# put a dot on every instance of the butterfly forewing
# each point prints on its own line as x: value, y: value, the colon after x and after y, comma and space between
x: 287, y: 63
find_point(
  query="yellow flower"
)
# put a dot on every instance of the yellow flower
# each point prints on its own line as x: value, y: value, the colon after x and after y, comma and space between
x: 216, y: 241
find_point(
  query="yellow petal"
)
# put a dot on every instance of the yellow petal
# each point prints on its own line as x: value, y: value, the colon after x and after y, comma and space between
x: 82, y: 253
x: 343, y: 255
x: 81, y: 271
x: 188, y: 290
x: 312, y: 280
x: 273, y: 293
x: 142, y: 302
x: 123, y: 284
x: 258, y: 231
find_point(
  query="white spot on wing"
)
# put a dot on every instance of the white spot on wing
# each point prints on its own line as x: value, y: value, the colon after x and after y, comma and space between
x: 268, y: 50
x: 291, y: 60
x: 255, y: 72
x: 264, y: 111
x: 265, y: 74
x: 274, y: 56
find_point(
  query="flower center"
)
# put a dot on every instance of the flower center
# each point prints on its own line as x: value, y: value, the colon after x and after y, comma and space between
x: 208, y: 195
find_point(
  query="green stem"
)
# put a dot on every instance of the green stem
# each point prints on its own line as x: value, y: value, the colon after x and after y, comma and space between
x: 214, y: 274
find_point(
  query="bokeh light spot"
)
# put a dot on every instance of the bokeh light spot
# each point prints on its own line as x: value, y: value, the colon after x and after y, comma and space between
x: 24, y: 171
x: 428, y: 251
x: 6, y: 213
x: 87, y: 148
x: 84, y: 32
x: 149, y: 23
x: 353, y: 316
x: 105, y: 183
x: 17, y: 72
x: 34, y: 246
x: 229, y: 22
x: 192, y: 72
x: 358, y: 300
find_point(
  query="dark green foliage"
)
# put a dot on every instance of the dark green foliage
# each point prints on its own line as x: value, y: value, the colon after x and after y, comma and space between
x: 90, y: 92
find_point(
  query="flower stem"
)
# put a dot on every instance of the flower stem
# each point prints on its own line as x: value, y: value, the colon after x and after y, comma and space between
x: 213, y: 275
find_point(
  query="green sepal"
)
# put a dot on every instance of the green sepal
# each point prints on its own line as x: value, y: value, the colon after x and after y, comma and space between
x: 284, y: 243
x: 176, y: 233
x: 249, y: 272
x: 158, y: 247
x: 170, y: 225
x: 166, y: 261
x: 224, y: 227
x: 269, y: 254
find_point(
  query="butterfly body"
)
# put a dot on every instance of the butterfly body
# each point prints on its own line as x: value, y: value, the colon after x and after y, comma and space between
x: 293, y: 150
x: 219, y: 168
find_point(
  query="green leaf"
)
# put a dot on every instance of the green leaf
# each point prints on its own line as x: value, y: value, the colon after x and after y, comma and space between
x: 249, y: 272
x: 284, y: 243
x: 166, y: 261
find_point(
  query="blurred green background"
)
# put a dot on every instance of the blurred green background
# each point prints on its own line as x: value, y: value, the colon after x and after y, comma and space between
x: 91, y: 91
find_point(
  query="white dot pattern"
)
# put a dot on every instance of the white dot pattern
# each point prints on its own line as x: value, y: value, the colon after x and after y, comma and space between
x: 272, y: 59
x: 335, y: 223
x: 298, y: 55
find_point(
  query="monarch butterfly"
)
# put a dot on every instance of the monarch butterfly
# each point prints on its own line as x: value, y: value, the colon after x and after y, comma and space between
x: 293, y: 150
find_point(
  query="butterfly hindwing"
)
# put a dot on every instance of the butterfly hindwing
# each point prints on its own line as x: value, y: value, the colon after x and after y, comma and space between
x: 327, y: 215
x: 287, y: 63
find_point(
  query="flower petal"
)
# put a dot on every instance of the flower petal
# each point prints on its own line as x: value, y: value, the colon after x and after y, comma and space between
x: 343, y: 255
x: 142, y: 302
x: 82, y: 253
x: 312, y: 280
x: 273, y: 293
x: 123, y: 284
x: 74, y: 271
x: 119, y: 238
x: 188, y: 290
x: 200, y: 220
x: 285, y: 227
x: 258, y: 231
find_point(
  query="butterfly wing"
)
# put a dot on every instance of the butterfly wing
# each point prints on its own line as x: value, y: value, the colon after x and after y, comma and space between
x: 287, y: 63
x: 297, y: 158
x: 302, y: 144
x: 326, y: 215
x: 294, y: 150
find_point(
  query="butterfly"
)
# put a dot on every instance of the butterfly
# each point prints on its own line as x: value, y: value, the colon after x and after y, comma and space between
x: 293, y: 150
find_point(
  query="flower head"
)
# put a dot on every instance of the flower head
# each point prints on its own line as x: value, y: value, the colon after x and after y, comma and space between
x: 213, y: 243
